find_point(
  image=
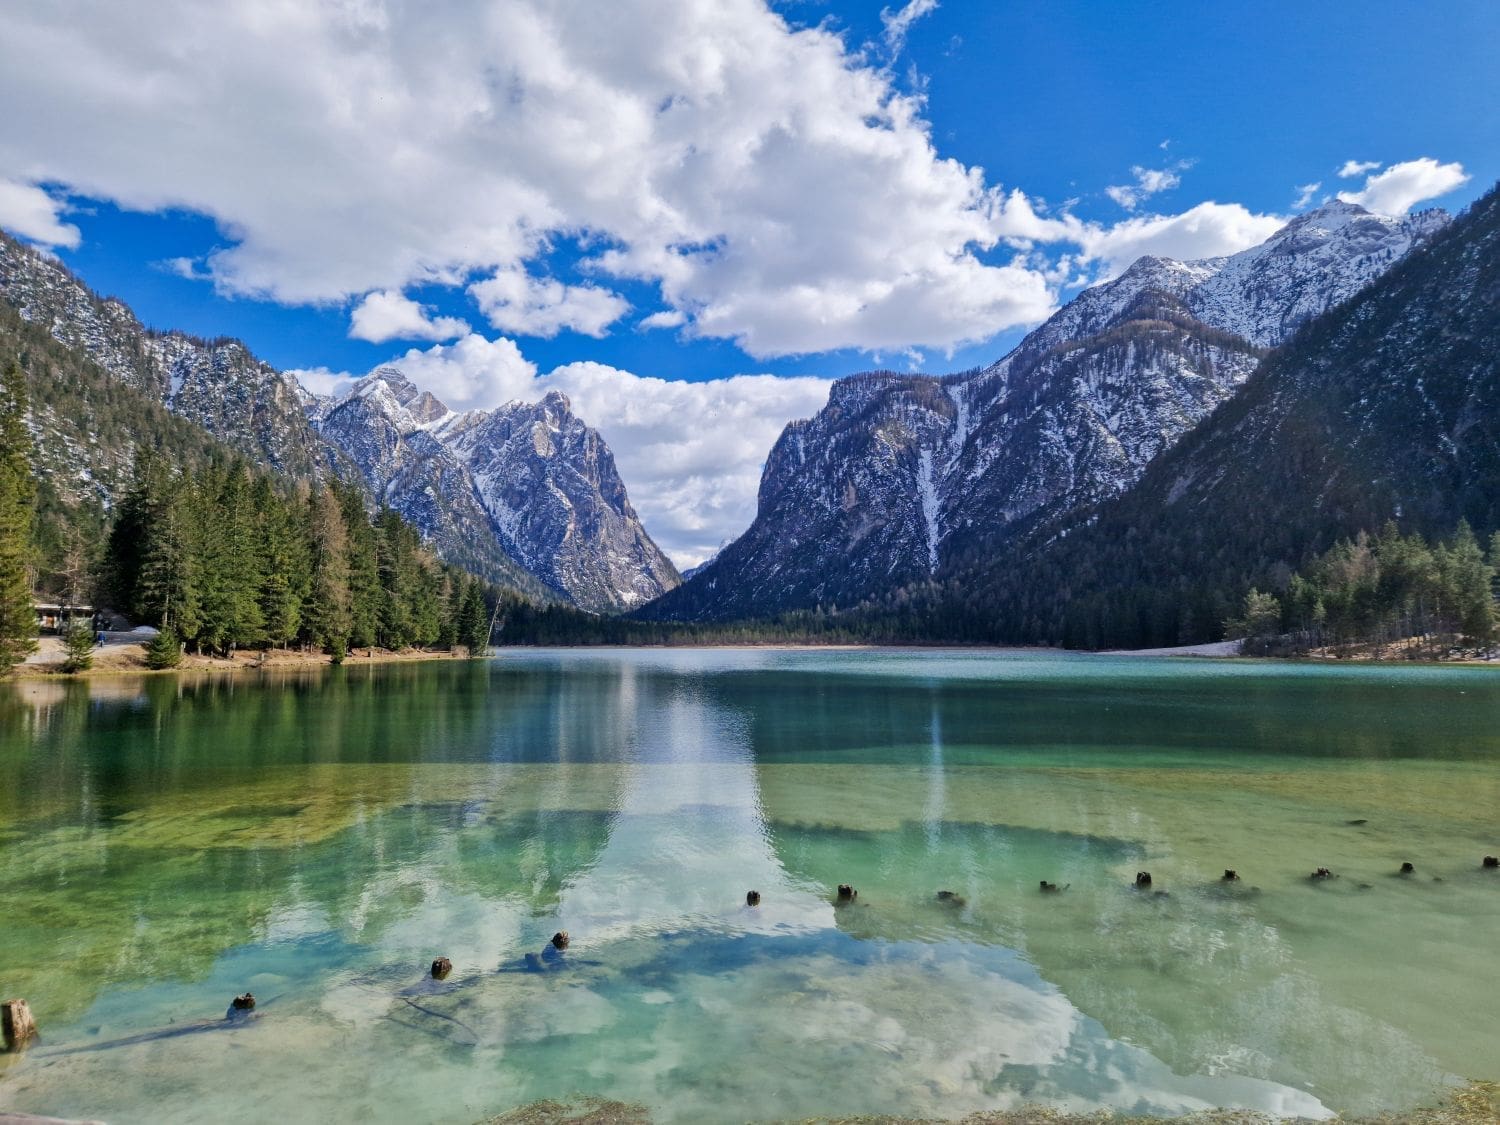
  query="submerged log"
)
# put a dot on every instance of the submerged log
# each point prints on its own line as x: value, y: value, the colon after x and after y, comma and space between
x: 16, y: 1024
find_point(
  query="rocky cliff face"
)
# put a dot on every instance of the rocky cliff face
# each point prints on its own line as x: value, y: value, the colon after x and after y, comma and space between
x: 550, y: 485
x: 532, y: 479
x: 524, y: 494
x: 902, y: 476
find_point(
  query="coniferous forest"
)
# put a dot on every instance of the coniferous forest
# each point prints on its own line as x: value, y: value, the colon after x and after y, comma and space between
x: 224, y: 559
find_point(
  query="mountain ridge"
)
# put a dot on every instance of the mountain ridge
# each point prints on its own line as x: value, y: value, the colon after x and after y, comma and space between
x: 900, y: 474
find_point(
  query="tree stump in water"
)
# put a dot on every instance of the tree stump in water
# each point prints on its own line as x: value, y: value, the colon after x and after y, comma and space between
x: 243, y: 1003
x: 16, y: 1024
x: 441, y: 968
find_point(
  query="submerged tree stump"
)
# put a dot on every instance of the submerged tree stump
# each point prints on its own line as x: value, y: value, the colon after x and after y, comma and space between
x: 16, y: 1024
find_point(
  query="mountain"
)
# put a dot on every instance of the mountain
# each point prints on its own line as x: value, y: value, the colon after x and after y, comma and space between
x: 531, y: 477
x: 901, y: 478
x: 218, y: 384
x: 1385, y: 408
x: 527, y: 495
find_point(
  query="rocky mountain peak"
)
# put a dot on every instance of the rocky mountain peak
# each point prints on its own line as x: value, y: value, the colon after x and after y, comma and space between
x: 900, y: 475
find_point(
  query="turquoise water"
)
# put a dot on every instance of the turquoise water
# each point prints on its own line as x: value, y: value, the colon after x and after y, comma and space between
x: 319, y: 838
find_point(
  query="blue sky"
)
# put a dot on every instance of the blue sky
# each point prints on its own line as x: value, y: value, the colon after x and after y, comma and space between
x: 521, y: 184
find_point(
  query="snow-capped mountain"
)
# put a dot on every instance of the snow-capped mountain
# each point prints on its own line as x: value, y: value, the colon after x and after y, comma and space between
x: 901, y: 475
x: 526, y: 494
x: 530, y: 476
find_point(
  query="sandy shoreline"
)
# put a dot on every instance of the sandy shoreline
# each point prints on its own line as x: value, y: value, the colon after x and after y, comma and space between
x: 121, y: 657
x: 128, y: 658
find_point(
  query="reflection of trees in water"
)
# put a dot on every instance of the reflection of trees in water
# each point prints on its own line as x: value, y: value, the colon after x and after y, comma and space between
x: 1371, y: 714
x: 150, y: 829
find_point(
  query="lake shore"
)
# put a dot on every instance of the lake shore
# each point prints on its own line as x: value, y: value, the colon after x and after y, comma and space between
x: 128, y: 658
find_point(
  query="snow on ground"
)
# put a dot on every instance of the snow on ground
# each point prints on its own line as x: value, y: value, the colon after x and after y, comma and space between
x: 1217, y: 648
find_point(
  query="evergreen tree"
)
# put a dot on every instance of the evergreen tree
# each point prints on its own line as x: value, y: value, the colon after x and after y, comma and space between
x: 164, y: 651
x: 17, y: 500
x: 363, y: 568
x: 396, y: 562
x: 1470, y: 575
x: 232, y: 563
x: 78, y: 646
x: 286, y: 567
x: 474, y: 619
x: 166, y: 590
x: 327, y: 616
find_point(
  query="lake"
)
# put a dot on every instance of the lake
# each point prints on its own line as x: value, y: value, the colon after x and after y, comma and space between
x: 318, y: 838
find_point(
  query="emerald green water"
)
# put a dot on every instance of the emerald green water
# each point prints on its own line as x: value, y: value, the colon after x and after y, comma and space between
x: 166, y: 843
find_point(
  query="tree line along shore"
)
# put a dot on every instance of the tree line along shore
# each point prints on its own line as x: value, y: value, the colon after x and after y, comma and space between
x: 228, y: 560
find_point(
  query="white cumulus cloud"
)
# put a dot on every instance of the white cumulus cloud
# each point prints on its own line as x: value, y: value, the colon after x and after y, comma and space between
x: 1148, y: 181
x: 388, y: 315
x: 1351, y: 168
x: 1397, y: 189
x: 775, y: 184
x: 29, y: 212
x: 515, y: 301
x: 1205, y: 231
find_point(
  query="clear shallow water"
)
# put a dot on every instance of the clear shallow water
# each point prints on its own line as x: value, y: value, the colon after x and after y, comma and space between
x: 318, y: 839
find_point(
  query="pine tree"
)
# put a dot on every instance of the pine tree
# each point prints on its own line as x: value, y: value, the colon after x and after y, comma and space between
x: 286, y: 568
x: 232, y: 564
x: 166, y: 589
x: 474, y: 619
x: 78, y: 646
x: 363, y: 570
x: 17, y: 506
x: 164, y: 651
x: 1474, y: 608
x: 395, y: 545
x: 327, y: 616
